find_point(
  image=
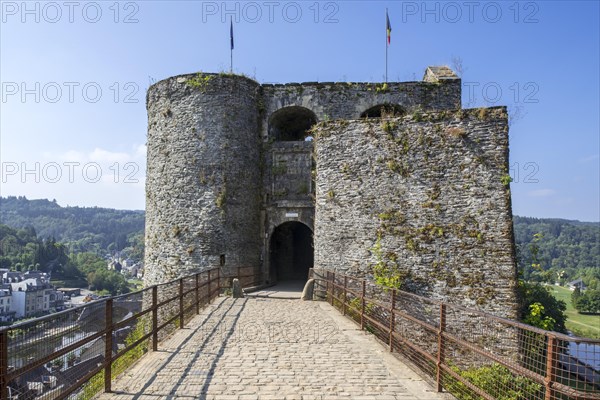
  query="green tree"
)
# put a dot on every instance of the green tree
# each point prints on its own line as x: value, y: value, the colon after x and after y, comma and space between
x: 575, y: 296
x: 588, y: 302
x: 538, y: 307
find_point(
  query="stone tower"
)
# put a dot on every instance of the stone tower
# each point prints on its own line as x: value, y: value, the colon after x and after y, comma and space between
x: 203, y: 177
x: 232, y: 177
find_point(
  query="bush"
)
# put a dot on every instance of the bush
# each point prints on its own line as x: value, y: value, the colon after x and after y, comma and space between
x: 538, y: 307
x: 588, y: 302
x: 495, y: 380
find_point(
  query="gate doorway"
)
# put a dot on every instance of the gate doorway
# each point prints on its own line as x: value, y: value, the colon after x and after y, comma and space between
x: 292, y: 253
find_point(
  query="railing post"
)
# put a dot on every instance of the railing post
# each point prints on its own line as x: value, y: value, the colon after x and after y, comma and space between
x: 550, y: 366
x: 218, y: 282
x: 154, y: 318
x: 440, y: 355
x: 197, y: 294
x: 333, y: 289
x: 180, y: 303
x: 209, y: 288
x: 327, y: 287
x: 108, y: 346
x: 362, y: 305
x: 3, y: 364
x: 392, y: 319
x: 344, y: 298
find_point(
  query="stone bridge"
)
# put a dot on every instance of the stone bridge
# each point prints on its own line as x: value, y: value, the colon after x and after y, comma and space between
x: 270, y: 345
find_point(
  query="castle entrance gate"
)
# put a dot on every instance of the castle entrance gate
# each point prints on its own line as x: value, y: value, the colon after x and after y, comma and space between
x: 291, y: 252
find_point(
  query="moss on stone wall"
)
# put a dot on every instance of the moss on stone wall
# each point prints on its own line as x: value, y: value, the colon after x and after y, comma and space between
x: 430, y: 210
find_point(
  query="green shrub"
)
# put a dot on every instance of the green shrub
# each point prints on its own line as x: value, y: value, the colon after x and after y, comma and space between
x: 495, y: 380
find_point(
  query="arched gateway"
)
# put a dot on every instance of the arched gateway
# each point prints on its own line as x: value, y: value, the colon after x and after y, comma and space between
x: 291, y: 252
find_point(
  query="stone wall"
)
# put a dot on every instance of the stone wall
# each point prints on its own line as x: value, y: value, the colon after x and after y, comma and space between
x: 219, y: 183
x: 203, y: 182
x: 349, y: 100
x: 423, y: 197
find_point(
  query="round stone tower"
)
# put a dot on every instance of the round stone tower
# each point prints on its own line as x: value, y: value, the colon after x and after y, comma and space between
x: 203, y: 183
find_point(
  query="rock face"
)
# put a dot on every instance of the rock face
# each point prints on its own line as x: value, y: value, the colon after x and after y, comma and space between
x: 422, y: 199
x: 231, y: 182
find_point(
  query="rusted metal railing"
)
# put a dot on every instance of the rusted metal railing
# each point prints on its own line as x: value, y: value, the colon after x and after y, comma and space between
x: 467, y: 352
x: 76, y: 353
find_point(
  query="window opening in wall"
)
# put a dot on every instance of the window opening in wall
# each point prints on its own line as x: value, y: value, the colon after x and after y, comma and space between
x: 385, y: 110
x: 291, y: 124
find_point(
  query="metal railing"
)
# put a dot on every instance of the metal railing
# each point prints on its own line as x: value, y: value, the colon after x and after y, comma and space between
x: 76, y: 353
x: 468, y: 353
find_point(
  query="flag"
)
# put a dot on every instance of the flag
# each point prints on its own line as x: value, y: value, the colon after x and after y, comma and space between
x: 231, y: 32
x: 388, y: 28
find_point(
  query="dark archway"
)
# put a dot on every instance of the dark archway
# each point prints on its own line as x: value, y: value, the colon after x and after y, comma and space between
x: 292, y: 253
x: 384, y: 110
x: 291, y: 123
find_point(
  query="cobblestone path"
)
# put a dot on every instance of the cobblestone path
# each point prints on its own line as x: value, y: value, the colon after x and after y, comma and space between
x: 265, y: 348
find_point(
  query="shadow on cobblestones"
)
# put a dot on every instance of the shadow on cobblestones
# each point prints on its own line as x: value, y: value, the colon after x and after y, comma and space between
x: 199, y: 352
x: 219, y: 354
x: 270, y: 349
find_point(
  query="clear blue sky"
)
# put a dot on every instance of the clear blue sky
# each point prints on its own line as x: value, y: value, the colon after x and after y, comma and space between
x: 539, y: 58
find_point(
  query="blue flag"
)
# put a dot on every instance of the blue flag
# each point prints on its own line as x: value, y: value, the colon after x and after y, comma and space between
x: 231, y: 32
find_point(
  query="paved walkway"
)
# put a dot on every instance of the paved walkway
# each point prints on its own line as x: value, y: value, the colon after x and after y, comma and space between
x: 270, y: 348
x: 283, y: 290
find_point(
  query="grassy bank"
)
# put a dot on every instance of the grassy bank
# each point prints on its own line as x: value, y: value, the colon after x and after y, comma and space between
x: 580, y: 325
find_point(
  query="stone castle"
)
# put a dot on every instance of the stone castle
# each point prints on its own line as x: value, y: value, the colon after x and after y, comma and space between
x: 378, y: 180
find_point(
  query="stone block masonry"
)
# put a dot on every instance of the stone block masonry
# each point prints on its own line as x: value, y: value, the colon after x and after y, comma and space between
x: 420, y: 201
x: 228, y: 166
x: 410, y: 189
x: 203, y: 176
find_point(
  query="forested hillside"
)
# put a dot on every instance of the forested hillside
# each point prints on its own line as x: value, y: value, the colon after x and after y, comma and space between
x: 23, y: 250
x: 566, y: 250
x: 81, y: 229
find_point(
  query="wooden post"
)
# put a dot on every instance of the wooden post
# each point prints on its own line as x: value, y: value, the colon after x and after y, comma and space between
x: 180, y: 303
x: 551, y: 352
x: 362, y: 305
x: 197, y: 294
x: 392, y: 320
x: 344, y: 298
x: 108, y: 346
x: 4, y: 364
x: 440, y: 355
x: 155, y: 318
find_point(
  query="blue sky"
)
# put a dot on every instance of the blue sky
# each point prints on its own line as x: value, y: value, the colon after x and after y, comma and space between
x: 74, y: 76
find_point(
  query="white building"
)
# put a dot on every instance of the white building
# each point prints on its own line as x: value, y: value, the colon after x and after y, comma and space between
x: 6, y: 314
x: 31, y: 297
